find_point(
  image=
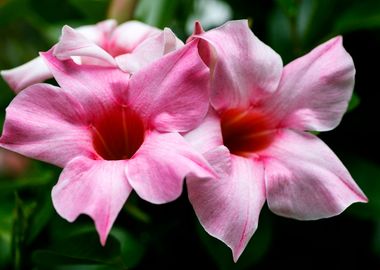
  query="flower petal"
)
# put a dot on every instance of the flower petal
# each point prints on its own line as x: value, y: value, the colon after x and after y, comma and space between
x: 97, y: 188
x: 244, y: 69
x: 130, y: 34
x: 45, y: 123
x: 208, y: 135
x: 99, y: 32
x: 148, y: 51
x: 305, y: 180
x: 157, y: 170
x: 315, y: 89
x: 95, y: 87
x: 229, y: 208
x: 32, y: 72
x: 173, y: 91
x: 73, y: 44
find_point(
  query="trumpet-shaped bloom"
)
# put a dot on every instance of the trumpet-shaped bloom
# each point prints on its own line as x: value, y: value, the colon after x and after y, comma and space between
x: 256, y: 134
x: 112, y: 132
x: 130, y: 46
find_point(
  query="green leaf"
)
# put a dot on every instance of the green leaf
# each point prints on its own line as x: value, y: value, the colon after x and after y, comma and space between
x: 290, y: 7
x: 165, y: 13
x: 44, y: 178
x: 137, y: 213
x: 255, y: 250
x: 93, y: 10
x: 78, y: 244
x: 279, y: 34
x: 359, y: 15
x: 19, y: 228
x: 82, y: 248
x: 132, y: 250
x: 40, y: 217
x: 354, y: 102
x: 77, y: 267
x: 6, y: 219
x: 317, y: 21
x: 10, y: 10
x: 157, y: 13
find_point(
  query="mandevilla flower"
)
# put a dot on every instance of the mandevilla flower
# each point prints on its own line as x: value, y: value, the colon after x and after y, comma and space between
x: 129, y: 46
x: 256, y: 134
x: 113, y: 132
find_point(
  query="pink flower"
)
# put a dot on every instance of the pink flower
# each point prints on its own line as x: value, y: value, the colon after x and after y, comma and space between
x: 113, y: 132
x: 256, y: 134
x: 129, y: 46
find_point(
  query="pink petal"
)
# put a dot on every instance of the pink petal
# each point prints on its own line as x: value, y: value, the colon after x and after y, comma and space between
x: 157, y: 170
x: 173, y: 91
x: 32, y: 72
x: 148, y: 51
x: 72, y: 44
x: 305, y: 180
x: 229, y: 208
x: 97, y: 188
x: 95, y: 87
x: 130, y: 34
x: 244, y: 69
x: 207, y: 135
x: 315, y: 89
x: 99, y: 32
x: 45, y: 123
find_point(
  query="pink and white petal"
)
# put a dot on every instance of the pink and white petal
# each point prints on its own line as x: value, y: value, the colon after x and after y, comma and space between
x: 305, y: 179
x: 157, y: 170
x: 34, y: 71
x: 315, y: 89
x: 95, y: 87
x: 220, y: 160
x: 74, y: 44
x: 172, y: 92
x: 45, y: 123
x: 229, y: 208
x: 148, y: 51
x: 97, y: 188
x: 208, y: 135
x: 98, y: 33
x: 245, y: 68
x: 130, y: 34
x: 198, y: 30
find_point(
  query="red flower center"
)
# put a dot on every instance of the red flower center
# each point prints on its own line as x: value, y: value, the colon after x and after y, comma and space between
x: 246, y: 132
x: 118, y: 134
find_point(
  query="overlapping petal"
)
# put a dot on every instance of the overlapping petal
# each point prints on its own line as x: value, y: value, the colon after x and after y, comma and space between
x: 98, y: 33
x: 97, y: 188
x: 210, y: 126
x: 305, y: 180
x: 149, y: 50
x: 129, y: 35
x: 74, y: 44
x: 229, y: 208
x: 173, y: 91
x: 315, y: 89
x: 157, y: 170
x: 95, y: 87
x: 244, y: 68
x: 45, y: 123
x: 34, y: 71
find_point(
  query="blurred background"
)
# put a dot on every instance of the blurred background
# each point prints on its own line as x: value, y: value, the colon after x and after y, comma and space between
x: 33, y: 236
